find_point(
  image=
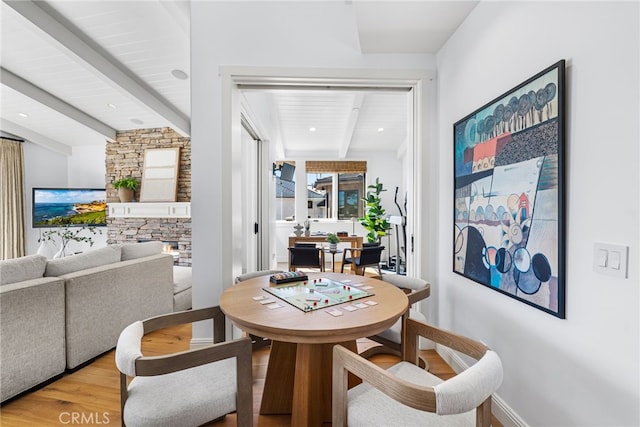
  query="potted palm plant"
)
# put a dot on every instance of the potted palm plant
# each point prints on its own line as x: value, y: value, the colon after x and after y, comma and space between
x: 333, y: 240
x: 126, y: 188
x: 375, y: 218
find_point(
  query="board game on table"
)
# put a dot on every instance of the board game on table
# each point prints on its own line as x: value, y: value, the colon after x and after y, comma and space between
x: 316, y: 294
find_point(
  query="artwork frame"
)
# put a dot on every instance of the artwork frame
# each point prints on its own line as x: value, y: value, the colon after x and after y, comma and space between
x: 68, y: 207
x: 509, y: 193
x: 160, y: 175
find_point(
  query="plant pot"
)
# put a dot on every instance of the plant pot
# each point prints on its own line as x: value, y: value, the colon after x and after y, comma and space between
x: 333, y: 247
x: 125, y: 194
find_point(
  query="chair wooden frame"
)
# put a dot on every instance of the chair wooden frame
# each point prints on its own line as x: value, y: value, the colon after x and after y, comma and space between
x: 220, y: 350
x: 407, y: 393
x: 392, y: 347
x: 359, y: 268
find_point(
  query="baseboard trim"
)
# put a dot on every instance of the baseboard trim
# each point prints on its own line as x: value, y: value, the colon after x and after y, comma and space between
x: 503, y: 412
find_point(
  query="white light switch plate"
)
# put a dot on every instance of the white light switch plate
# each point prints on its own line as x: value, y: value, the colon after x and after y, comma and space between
x: 615, y: 259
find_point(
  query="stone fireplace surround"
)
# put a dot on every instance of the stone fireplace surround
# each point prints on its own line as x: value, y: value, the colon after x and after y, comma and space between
x: 176, y: 230
x: 124, y: 158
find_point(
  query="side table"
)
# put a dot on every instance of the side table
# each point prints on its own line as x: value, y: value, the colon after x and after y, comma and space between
x: 333, y: 257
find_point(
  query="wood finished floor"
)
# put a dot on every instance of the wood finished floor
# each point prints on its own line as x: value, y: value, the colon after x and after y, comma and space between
x: 92, y: 395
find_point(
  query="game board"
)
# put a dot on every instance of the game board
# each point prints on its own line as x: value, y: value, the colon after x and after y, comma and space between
x: 316, y: 294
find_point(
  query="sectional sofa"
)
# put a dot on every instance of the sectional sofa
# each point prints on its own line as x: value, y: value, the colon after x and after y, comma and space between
x: 58, y: 314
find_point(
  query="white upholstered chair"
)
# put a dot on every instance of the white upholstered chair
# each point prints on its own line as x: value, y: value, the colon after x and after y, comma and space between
x: 187, y: 388
x: 406, y: 395
x: 253, y: 274
x: 391, y: 339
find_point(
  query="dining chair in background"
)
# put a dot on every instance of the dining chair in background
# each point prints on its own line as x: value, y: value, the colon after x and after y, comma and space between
x: 359, y: 259
x: 390, y: 340
x: 306, y: 257
x: 256, y: 341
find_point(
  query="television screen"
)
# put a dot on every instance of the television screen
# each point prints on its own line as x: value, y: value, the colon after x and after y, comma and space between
x: 72, y: 207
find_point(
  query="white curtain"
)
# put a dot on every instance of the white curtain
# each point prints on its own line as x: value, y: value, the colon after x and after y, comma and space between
x: 12, y: 233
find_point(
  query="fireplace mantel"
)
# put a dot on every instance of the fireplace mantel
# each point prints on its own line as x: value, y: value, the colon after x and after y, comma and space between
x: 150, y: 210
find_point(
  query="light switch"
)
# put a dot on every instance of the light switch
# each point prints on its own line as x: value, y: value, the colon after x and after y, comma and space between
x: 615, y: 260
x: 611, y: 259
x: 602, y: 257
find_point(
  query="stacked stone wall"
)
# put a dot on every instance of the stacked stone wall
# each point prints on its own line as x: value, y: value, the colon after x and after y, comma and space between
x: 125, y: 158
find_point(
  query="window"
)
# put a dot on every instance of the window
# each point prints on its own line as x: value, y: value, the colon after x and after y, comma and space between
x: 335, y: 189
x: 319, y: 195
x: 350, y: 194
x: 285, y: 190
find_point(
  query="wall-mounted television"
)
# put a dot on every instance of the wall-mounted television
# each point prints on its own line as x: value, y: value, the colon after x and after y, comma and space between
x: 71, y: 207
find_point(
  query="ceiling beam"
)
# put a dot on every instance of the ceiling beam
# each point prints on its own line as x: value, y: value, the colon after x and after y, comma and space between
x: 26, y: 88
x: 77, y: 46
x: 36, y: 138
x: 351, y: 125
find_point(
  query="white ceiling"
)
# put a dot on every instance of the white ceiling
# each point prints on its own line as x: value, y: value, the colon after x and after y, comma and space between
x: 330, y: 124
x: 81, y: 70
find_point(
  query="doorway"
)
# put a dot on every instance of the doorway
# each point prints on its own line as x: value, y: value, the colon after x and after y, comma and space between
x: 237, y: 80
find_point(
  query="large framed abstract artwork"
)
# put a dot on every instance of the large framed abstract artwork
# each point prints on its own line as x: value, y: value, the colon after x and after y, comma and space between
x: 509, y: 193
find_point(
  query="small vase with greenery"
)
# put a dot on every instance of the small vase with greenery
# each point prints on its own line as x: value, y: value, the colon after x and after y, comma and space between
x: 126, y: 188
x: 375, y: 217
x: 333, y: 240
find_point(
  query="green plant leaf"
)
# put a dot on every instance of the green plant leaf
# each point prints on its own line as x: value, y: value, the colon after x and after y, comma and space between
x: 128, y: 183
x: 374, y: 219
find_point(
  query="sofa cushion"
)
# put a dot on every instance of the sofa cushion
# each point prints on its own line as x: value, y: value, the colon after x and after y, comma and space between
x: 139, y: 250
x: 103, y: 256
x: 31, y: 334
x: 181, y: 278
x: 21, y: 269
x: 181, y: 288
x: 183, y: 300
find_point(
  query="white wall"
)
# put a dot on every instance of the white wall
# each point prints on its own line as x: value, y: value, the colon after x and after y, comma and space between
x: 283, y: 34
x: 582, y: 371
x: 87, y: 167
x: 42, y: 168
x: 46, y: 168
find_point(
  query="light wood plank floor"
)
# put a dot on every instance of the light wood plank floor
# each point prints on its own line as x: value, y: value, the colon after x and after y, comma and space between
x: 91, y: 396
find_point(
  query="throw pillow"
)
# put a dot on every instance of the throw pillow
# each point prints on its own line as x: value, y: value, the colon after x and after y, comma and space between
x: 103, y: 256
x: 139, y: 250
x: 21, y: 269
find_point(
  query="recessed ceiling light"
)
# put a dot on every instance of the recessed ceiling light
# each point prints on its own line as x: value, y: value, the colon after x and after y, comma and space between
x: 179, y: 74
x: 25, y: 115
x: 137, y: 121
x: 112, y: 106
x: 380, y: 129
x: 312, y: 129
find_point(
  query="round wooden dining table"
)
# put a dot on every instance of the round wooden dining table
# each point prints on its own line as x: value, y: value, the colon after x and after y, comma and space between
x: 298, y: 380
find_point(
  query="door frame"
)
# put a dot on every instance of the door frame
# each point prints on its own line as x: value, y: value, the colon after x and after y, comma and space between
x: 421, y: 157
